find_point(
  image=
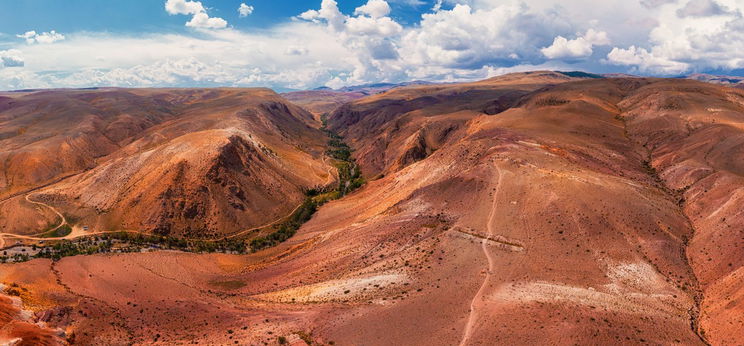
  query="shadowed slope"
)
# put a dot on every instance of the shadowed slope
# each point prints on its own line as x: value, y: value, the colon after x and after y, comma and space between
x: 694, y: 135
x: 404, y: 125
x: 207, y: 163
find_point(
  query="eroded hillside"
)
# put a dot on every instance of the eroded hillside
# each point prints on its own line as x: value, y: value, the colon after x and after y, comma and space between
x: 534, y: 208
x: 185, y: 162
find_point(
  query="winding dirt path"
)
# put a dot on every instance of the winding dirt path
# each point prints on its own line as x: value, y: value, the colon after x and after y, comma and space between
x: 259, y: 227
x: 478, y: 298
x: 64, y: 221
x: 329, y: 180
x: 331, y: 177
x: 72, y: 235
x: 78, y: 232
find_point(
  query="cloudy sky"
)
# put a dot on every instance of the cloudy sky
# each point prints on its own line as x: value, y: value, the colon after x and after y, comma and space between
x: 300, y: 44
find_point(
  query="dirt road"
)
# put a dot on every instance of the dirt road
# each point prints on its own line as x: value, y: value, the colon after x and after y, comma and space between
x: 477, y: 301
x: 62, y: 217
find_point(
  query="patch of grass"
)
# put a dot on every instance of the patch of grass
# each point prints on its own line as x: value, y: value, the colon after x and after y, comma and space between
x: 228, y: 284
x: 62, y: 231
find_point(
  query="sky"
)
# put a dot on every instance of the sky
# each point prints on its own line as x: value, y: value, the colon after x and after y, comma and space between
x: 303, y: 44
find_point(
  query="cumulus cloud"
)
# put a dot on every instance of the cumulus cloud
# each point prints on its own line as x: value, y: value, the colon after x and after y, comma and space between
x: 374, y: 9
x: 701, y: 8
x: 44, y: 37
x: 200, y: 19
x: 694, y: 35
x: 655, y: 3
x: 410, y: 2
x: 222, y: 57
x: 369, y: 34
x: 580, y: 47
x: 456, y: 40
x: 466, y: 37
x: 244, y: 10
x: 183, y: 7
x: 328, y: 12
x: 437, y: 6
x: 204, y: 21
x: 11, y: 58
x: 645, y: 61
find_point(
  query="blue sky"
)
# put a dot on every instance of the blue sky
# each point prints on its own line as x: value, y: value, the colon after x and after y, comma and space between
x: 310, y: 43
x: 136, y: 16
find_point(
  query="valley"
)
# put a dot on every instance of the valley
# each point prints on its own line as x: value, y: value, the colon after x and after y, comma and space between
x: 530, y: 208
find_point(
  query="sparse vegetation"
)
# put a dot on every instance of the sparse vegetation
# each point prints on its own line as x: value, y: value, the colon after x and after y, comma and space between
x: 349, y: 174
x: 671, y: 104
x: 229, y: 284
x: 350, y: 179
x: 127, y: 242
x: 59, y: 232
x: 288, y: 228
x: 306, y: 337
x: 550, y: 101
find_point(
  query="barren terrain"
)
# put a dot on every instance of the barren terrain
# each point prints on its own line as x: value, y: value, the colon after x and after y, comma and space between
x: 531, y: 208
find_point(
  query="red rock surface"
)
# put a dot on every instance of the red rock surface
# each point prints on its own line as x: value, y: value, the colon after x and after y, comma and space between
x: 199, y: 163
x: 526, y: 209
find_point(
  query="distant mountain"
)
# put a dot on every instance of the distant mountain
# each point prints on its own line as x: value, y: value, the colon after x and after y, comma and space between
x: 619, y: 75
x: 376, y: 88
x: 733, y: 81
x: 324, y: 99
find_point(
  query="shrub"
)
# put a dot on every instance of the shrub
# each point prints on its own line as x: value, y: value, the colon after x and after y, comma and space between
x: 550, y: 101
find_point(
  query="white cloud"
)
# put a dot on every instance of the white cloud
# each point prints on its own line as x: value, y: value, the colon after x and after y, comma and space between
x: 245, y: 10
x: 466, y: 37
x: 409, y: 2
x: 457, y: 40
x: 701, y: 8
x: 580, y: 47
x: 184, y: 7
x: 688, y: 36
x: 329, y: 12
x: 200, y: 18
x: 11, y: 58
x: 374, y: 9
x: 223, y: 57
x: 204, y: 21
x: 655, y: 3
x: 645, y: 61
x: 369, y: 35
x: 437, y: 6
x: 44, y: 37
